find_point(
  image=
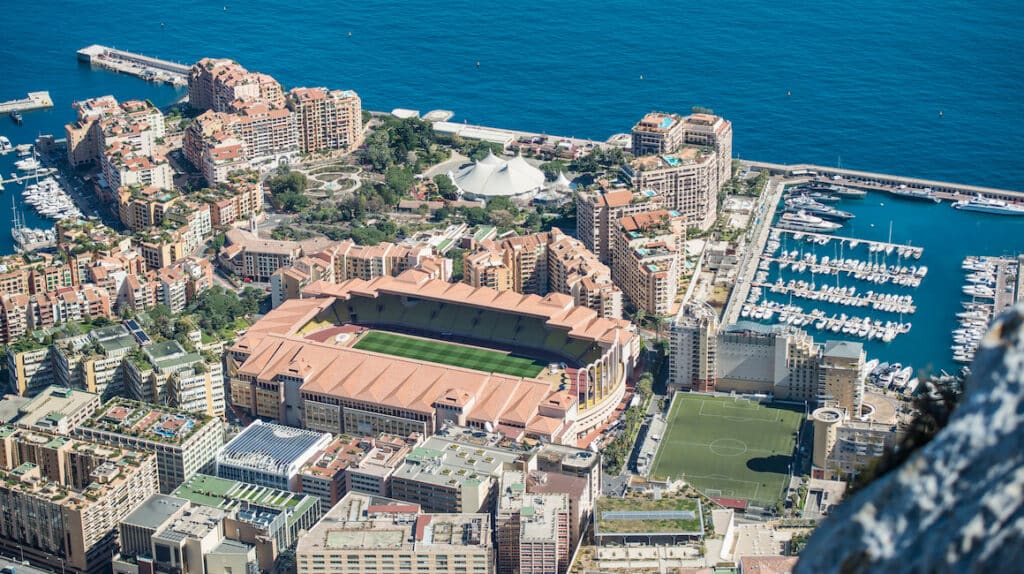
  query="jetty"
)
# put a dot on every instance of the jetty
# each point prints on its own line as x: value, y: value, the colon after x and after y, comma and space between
x: 34, y: 101
x: 881, y: 182
x: 41, y: 172
x: 138, y: 65
x: 873, y: 246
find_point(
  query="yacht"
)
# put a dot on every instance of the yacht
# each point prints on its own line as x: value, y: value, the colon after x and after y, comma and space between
x: 814, y: 208
x: 28, y: 164
x: 803, y: 221
x: 987, y: 205
x: 925, y: 194
x: 5, y: 144
x: 16, y: 117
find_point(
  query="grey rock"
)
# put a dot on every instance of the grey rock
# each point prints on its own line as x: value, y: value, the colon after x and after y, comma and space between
x: 957, y: 504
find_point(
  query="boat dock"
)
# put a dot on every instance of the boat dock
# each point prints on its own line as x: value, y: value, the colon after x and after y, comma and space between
x: 138, y: 65
x: 34, y: 101
x: 843, y: 296
x: 861, y: 327
x: 873, y: 246
x: 42, y: 172
x: 874, y: 273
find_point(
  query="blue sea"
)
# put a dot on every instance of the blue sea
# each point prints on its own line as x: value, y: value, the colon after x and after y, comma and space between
x: 860, y: 84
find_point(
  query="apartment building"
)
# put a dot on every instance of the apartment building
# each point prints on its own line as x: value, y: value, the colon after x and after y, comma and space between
x: 351, y: 463
x: 660, y: 133
x: 165, y: 373
x: 56, y: 410
x: 237, y: 199
x: 94, y: 361
x: 171, y: 534
x: 845, y: 445
x: 748, y: 357
x: 542, y: 263
x: 532, y: 529
x: 144, y: 207
x: 29, y: 366
x: 222, y: 84
x: 348, y: 260
x: 220, y: 144
x: 160, y: 248
x: 686, y: 160
x: 648, y: 259
x: 841, y: 377
x: 21, y: 314
x: 327, y: 119
x: 270, y: 455
x: 83, y: 134
x: 269, y: 519
x: 598, y: 213
x: 63, y: 497
x: 366, y: 533
x: 184, y: 443
x: 249, y: 256
x: 445, y: 475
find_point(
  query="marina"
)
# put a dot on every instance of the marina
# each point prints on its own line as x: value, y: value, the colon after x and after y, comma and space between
x: 138, y: 65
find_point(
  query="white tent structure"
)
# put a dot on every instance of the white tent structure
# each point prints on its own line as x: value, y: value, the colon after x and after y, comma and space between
x: 494, y: 177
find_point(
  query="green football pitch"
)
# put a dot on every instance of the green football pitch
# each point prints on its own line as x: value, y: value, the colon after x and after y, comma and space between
x: 729, y: 447
x: 449, y: 354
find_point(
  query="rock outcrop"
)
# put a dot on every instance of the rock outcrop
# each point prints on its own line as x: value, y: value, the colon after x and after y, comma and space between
x: 955, y: 505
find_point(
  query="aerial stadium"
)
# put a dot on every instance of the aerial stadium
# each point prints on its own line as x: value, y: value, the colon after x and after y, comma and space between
x: 410, y: 353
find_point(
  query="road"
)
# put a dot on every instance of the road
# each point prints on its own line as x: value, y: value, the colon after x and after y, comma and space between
x: 757, y: 235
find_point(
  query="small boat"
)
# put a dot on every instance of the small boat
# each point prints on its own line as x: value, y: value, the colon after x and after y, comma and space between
x: 5, y: 144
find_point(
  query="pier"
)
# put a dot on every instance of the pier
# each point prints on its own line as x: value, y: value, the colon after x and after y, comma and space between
x: 843, y: 296
x: 42, y: 172
x: 873, y: 246
x: 138, y: 65
x: 34, y: 101
x: 861, y: 327
x: 874, y: 273
x: 881, y: 182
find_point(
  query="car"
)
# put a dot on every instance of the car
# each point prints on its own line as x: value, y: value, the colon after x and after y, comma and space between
x: 247, y: 280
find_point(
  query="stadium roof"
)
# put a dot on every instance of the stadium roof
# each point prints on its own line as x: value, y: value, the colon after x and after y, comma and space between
x: 493, y: 176
x: 556, y: 309
x: 272, y: 448
x: 405, y: 384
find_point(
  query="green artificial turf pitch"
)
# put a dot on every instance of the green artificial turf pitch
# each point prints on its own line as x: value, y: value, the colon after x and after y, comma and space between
x: 449, y: 354
x: 729, y: 447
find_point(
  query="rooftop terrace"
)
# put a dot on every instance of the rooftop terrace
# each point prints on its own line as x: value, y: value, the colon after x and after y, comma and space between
x: 233, y: 495
x: 145, y: 421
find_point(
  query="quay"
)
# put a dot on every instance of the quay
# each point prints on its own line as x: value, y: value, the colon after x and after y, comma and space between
x: 881, y: 182
x: 34, y: 101
x: 138, y: 65
x: 873, y: 246
x: 1009, y: 282
x: 757, y: 236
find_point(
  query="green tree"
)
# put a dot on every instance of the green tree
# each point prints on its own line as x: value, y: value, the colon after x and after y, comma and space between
x: 551, y: 169
x: 446, y: 187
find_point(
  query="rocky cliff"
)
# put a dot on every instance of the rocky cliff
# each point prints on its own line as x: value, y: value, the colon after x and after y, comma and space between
x: 957, y: 504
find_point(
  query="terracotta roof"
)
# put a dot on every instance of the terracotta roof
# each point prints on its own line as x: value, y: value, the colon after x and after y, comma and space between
x: 556, y: 309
